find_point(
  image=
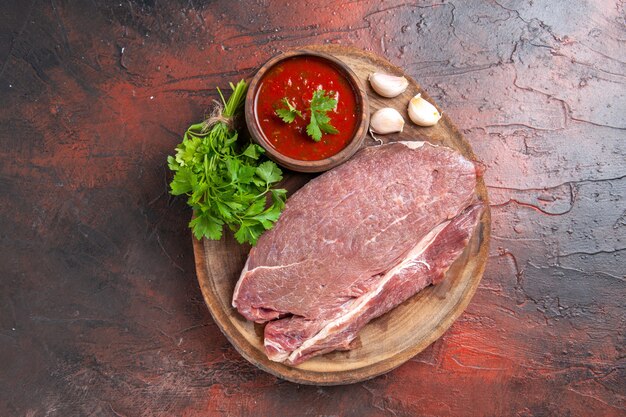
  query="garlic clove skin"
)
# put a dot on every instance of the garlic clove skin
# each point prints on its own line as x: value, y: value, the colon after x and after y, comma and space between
x: 388, y: 85
x: 386, y: 121
x: 422, y: 113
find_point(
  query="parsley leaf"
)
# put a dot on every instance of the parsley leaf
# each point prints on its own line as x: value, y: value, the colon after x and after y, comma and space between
x: 289, y: 114
x: 224, y: 185
x: 253, y: 151
x: 319, y: 121
x: 204, y: 224
x: 321, y: 104
x: 269, y: 172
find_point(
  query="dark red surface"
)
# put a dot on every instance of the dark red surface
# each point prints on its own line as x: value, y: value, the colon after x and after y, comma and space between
x: 297, y: 79
x: 101, y: 312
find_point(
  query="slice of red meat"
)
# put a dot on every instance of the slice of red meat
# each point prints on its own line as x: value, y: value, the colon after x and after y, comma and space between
x: 354, y: 243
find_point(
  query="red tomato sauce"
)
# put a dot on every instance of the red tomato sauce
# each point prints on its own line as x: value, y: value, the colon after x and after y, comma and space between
x: 297, y: 78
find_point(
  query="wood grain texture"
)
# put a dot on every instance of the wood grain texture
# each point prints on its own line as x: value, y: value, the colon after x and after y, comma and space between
x: 393, y: 338
x: 101, y: 314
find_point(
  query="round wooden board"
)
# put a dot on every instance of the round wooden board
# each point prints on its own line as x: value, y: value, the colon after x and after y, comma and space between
x: 393, y: 338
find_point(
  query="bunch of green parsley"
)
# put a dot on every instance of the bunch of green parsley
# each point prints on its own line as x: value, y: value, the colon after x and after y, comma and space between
x: 225, y: 183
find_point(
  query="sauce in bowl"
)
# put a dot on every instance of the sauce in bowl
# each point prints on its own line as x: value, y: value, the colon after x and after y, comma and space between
x: 296, y: 79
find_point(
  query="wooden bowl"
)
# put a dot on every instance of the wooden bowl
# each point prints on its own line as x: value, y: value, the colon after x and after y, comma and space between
x: 397, y: 336
x: 363, y: 115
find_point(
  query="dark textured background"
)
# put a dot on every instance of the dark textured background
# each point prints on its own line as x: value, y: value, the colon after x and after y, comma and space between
x: 100, y: 309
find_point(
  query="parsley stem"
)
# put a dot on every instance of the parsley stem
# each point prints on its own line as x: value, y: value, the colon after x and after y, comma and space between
x: 267, y: 188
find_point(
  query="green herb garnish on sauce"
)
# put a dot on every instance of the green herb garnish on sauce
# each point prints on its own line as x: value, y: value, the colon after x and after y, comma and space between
x: 288, y: 114
x: 321, y: 104
x: 319, y: 123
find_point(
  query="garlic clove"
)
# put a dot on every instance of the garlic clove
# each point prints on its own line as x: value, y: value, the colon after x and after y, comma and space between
x: 386, y: 121
x: 422, y: 113
x: 388, y: 85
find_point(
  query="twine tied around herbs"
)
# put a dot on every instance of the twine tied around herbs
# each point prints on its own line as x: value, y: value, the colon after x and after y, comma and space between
x: 217, y: 116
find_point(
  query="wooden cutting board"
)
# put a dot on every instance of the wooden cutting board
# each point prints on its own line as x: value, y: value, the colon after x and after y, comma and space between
x: 391, y: 339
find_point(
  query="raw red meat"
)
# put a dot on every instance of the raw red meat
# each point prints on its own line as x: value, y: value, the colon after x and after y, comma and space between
x: 356, y: 242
